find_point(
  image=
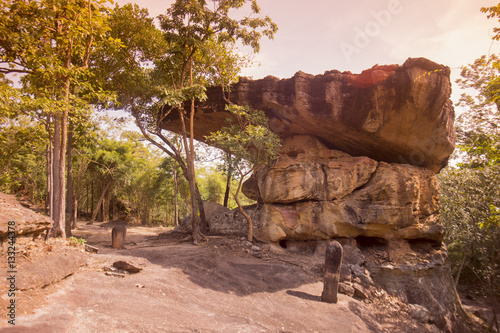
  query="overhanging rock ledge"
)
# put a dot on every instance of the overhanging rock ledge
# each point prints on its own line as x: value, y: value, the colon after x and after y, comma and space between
x: 391, y: 113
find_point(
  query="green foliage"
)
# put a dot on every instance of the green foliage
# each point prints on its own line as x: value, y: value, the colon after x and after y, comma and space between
x: 251, y: 141
x: 493, y: 12
x: 73, y: 241
x: 469, y: 198
x: 212, y: 184
x: 248, y: 136
x: 22, y: 158
x: 126, y: 68
x: 478, y: 133
x: 470, y: 195
x: 51, y: 42
x: 192, y: 22
x: 75, y: 57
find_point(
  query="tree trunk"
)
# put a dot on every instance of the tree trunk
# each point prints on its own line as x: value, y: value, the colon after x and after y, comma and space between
x: 240, y: 208
x: 92, y: 196
x: 176, y: 192
x: 145, y: 214
x: 105, y: 206
x: 114, y: 208
x: 228, y: 185
x: 75, y: 213
x: 58, y: 162
x: 204, y: 227
x: 460, y: 269
x: 61, y: 122
x: 99, y: 203
x: 48, y: 200
x: 69, y: 187
x: 87, y: 211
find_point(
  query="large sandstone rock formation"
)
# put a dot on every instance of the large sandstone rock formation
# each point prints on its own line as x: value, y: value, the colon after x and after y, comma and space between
x: 392, y: 113
x: 387, y: 212
x: 312, y: 192
x: 358, y: 164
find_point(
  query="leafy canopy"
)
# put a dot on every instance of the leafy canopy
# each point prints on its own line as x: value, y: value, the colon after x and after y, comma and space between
x: 248, y: 137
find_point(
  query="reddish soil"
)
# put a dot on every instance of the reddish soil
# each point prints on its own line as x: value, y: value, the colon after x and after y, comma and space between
x: 224, y: 285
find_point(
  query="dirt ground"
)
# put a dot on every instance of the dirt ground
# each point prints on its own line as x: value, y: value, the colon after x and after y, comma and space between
x: 224, y: 285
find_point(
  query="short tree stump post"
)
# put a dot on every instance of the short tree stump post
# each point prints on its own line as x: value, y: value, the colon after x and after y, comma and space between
x: 118, y: 236
x: 333, y: 261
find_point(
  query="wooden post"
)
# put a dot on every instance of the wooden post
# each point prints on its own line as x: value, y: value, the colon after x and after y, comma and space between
x: 118, y: 236
x: 333, y: 261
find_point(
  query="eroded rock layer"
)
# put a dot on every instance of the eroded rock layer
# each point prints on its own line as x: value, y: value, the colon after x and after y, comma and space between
x: 26, y: 223
x: 313, y: 192
x: 396, y: 114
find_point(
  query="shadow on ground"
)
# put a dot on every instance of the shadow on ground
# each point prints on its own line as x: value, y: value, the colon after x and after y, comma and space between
x: 220, y: 265
x: 207, y: 267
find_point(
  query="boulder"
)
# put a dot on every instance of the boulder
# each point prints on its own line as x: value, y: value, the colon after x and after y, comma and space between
x: 231, y: 222
x: 396, y: 114
x: 212, y: 209
x: 45, y: 270
x: 221, y: 220
x: 28, y: 224
x: 313, y: 192
x: 419, y: 274
x: 127, y: 265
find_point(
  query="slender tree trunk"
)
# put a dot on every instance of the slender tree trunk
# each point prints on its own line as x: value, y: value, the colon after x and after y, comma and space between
x: 87, y: 211
x: 75, y: 213
x: 48, y: 199
x: 195, y: 221
x: 58, y: 194
x: 105, y: 206
x: 69, y: 181
x: 99, y: 203
x: 114, y: 208
x: 228, y: 185
x: 176, y: 192
x: 460, y: 269
x: 92, y: 196
x: 60, y: 162
x: 204, y: 227
x: 240, y: 207
x: 145, y: 213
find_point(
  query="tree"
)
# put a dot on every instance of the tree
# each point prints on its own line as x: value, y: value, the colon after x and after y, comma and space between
x: 50, y: 43
x: 22, y: 156
x: 470, y: 198
x: 190, y: 30
x: 250, y: 140
x: 478, y: 127
x: 189, y: 25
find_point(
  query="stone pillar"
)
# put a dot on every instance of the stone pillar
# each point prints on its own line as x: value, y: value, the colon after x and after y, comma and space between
x: 118, y: 236
x: 333, y: 261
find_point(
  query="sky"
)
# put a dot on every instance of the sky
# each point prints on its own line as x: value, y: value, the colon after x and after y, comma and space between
x: 319, y: 35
